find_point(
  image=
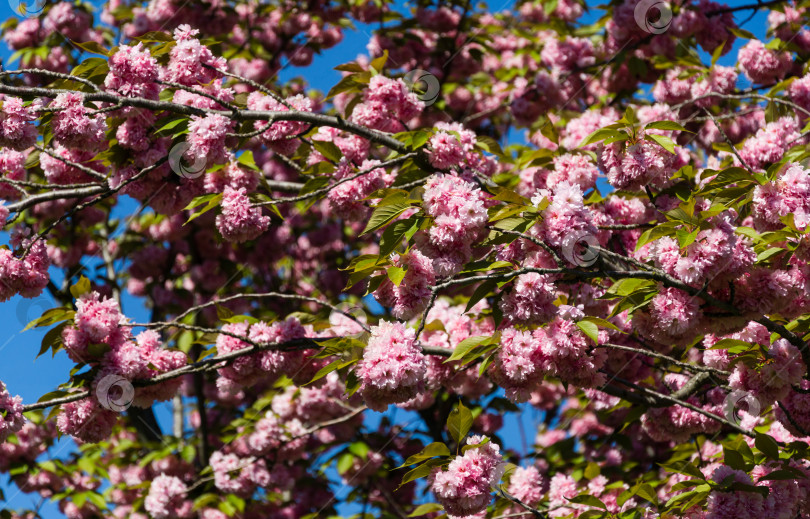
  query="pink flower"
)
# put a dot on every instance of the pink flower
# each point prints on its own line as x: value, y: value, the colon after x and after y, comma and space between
x: 239, y: 221
x: 800, y: 92
x: 73, y: 128
x: 11, y: 417
x: 762, y: 65
x: 531, y: 300
x: 527, y: 484
x: 206, y: 139
x: 733, y: 504
x: 167, y: 498
x: 16, y: 130
x: 393, y: 366
x: 27, y: 277
x: 187, y: 60
x: 770, y: 143
x: 411, y: 295
x: 520, y: 365
x: 464, y: 488
x: 97, y: 318
x: 133, y: 72
x: 570, y: 354
x: 788, y: 195
x: 445, y: 151
x: 280, y: 135
x: 386, y: 102
x: 86, y: 420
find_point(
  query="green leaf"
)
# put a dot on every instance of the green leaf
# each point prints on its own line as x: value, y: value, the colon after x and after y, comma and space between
x: 425, y: 509
x: 421, y: 471
x: 396, y: 275
x: 489, y: 144
x: 81, y: 287
x: 49, y: 317
x: 645, y: 491
x: 393, y: 234
x: 466, y: 345
x: 388, y: 209
x: 53, y: 395
x: 601, y: 322
x: 602, y: 134
x: 92, y: 47
x: 733, y: 458
x: 591, y: 470
x: 379, y: 62
x: 588, y: 500
x: 459, y: 422
x: 210, y: 203
x: 665, y: 125
x: 359, y: 449
x: 52, y: 338
x: 481, y: 292
x: 665, y: 142
x: 328, y: 150
x: 767, y: 445
x: 430, y: 451
x: 590, y: 329
x: 659, y: 231
x: 248, y: 160
x: 345, y: 462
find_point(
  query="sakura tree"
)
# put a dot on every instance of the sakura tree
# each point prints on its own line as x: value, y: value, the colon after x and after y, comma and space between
x: 599, y: 212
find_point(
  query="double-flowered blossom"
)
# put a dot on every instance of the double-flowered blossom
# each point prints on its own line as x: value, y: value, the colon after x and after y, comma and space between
x: 800, y: 93
x: 393, y: 367
x: 520, y: 365
x: 450, y: 149
x: 98, y: 321
x: 773, y: 380
x: 12, y: 167
x: 464, y: 488
x: 565, y: 216
x: 239, y: 221
x: 570, y: 355
x: 387, y: 102
x: 638, y: 164
x: 11, y: 417
x: 133, y: 72
x: 27, y: 276
x: 280, y: 136
x: 528, y: 485
x: 671, y: 315
x: 206, y: 139
x: 412, y: 294
x: 347, y: 197
x: 86, y: 420
x: 237, y: 475
x: 16, y: 128
x: 729, y: 504
x: 574, y: 169
x: 770, y: 143
x: 678, y: 423
x: 190, y: 62
x: 73, y: 127
x: 531, y: 300
x: 459, y: 214
x: 167, y: 498
x: 797, y: 405
x: 717, y: 254
x: 248, y: 369
x: 788, y: 195
x: 98, y: 318
x: 761, y: 64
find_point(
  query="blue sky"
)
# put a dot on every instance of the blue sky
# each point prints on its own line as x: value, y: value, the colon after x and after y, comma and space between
x: 30, y: 377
